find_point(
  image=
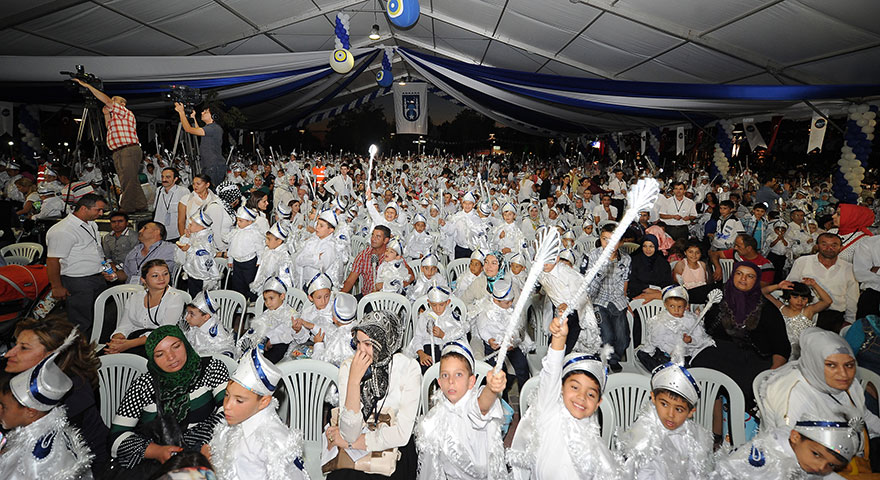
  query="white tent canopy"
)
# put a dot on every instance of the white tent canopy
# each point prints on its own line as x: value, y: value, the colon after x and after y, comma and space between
x: 770, y: 42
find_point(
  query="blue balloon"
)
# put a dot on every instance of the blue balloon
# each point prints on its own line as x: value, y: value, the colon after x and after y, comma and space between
x: 403, y: 13
x: 384, y: 78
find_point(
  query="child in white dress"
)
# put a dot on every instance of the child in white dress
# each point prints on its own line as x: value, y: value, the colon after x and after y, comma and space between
x: 196, y: 253
x: 669, y: 328
x: 274, y: 260
x: 428, y: 275
x: 435, y: 326
x: 419, y: 241
x: 333, y: 342
x: 276, y: 327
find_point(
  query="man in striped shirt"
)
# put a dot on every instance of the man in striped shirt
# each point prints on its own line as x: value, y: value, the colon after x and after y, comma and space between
x: 122, y: 140
x: 367, y: 261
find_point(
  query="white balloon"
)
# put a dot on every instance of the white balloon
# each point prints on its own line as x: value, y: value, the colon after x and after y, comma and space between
x: 854, y: 163
x: 860, y: 170
x: 20, y: 126
x: 849, y: 156
x: 863, y: 108
x: 717, y: 146
x: 870, y: 115
x: 846, y: 149
x: 852, y: 109
x: 867, y: 129
x: 862, y: 122
x: 855, y: 116
x: 870, y: 136
x: 871, y: 122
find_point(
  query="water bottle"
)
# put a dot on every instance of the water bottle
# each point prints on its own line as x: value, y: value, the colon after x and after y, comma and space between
x: 107, y: 267
x: 44, y: 306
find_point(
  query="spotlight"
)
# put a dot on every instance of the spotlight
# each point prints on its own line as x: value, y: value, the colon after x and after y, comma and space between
x: 374, y: 33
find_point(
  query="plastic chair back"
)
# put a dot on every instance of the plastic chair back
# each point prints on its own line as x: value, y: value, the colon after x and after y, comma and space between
x: 393, y: 302
x: 115, y: 375
x: 726, y: 268
x: 306, y: 384
x: 30, y: 250
x: 627, y: 393
x: 230, y: 303
x: 527, y: 394
x: 120, y: 294
x: 456, y: 268
x: 231, y: 364
x: 607, y: 422
x: 629, y: 247
x: 644, y: 311
x: 421, y: 303
x: 710, y: 382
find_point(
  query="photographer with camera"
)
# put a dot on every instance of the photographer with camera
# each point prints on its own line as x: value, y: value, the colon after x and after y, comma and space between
x: 212, y: 161
x: 122, y: 140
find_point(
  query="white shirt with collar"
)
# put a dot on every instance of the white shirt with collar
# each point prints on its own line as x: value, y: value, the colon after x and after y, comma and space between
x: 165, y: 206
x: 77, y: 245
x: 673, y: 206
x: 137, y: 316
x: 866, y: 257
x: 259, y: 447
x: 838, y: 281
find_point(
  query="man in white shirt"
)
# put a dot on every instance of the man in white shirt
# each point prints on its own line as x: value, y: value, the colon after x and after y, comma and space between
x: 165, y: 203
x: 866, y: 265
x: 617, y: 185
x: 605, y: 211
x: 835, y: 276
x: 800, y: 233
x: 341, y: 185
x: 73, y: 260
x: 677, y: 212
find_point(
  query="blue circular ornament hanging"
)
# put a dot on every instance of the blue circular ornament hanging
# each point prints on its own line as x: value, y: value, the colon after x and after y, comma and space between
x: 403, y: 13
x: 384, y: 78
x: 341, y: 60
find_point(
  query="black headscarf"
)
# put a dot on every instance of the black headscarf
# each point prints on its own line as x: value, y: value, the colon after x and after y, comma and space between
x: 386, y: 334
x: 646, y: 271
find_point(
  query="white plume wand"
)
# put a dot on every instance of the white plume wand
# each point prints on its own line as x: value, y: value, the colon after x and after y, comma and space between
x: 641, y: 197
x: 714, y: 297
x: 373, y: 150
x: 546, y: 252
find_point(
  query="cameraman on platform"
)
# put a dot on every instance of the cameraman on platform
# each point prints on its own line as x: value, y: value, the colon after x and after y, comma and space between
x: 122, y: 140
x: 212, y: 161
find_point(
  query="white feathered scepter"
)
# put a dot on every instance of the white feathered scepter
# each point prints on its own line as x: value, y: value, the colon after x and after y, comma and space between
x: 641, y: 197
x: 545, y: 252
x: 373, y: 150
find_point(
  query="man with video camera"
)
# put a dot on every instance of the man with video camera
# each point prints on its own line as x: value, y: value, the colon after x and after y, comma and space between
x: 210, y: 155
x: 122, y: 140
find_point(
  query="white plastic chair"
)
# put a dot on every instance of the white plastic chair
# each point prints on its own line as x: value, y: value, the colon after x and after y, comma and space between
x: 844, y: 330
x: 358, y: 244
x: 710, y: 382
x: 607, y: 425
x: 627, y: 393
x: 535, y: 327
x: 644, y: 311
x: 866, y: 376
x: 295, y: 297
x: 726, y: 268
x: 29, y: 250
x: 759, y: 379
x: 120, y: 294
x: 229, y: 302
x: 422, y: 303
x: 306, y: 383
x: 115, y: 375
x: 456, y: 268
x: 526, y: 393
x: 481, y: 369
x: 393, y: 302
x: 629, y: 247
x: 231, y: 364
x: 17, y: 260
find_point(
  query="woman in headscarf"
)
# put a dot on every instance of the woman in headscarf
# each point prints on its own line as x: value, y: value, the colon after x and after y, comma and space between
x: 222, y: 210
x: 821, y: 384
x: 649, y: 271
x: 852, y: 222
x: 494, y: 269
x: 378, y: 379
x: 187, y: 392
x: 749, y: 332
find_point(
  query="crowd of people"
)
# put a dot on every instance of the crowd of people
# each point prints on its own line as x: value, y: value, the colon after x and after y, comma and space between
x: 761, y: 277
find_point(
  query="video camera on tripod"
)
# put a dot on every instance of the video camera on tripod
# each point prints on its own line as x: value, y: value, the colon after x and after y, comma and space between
x: 188, y: 96
x: 91, y: 79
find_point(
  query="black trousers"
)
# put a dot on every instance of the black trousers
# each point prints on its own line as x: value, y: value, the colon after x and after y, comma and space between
x: 461, y: 252
x: 81, y: 302
x: 677, y: 232
x: 243, y: 273
x: 869, y: 303
x: 574, y: 331
x: 778, y: 262
x: 619, y: 204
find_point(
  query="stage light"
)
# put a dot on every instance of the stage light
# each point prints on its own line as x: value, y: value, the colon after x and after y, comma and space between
x: 374, y: 33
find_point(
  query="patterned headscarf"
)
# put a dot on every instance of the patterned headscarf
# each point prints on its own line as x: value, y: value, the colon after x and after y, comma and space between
x: 229, y: 194
x: 502, y: 270
x: 174, y: 386
x: 386, y: 335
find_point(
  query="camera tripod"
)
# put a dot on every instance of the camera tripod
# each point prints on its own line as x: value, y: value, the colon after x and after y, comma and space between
x: 189, y: 146
x: 93, y: 122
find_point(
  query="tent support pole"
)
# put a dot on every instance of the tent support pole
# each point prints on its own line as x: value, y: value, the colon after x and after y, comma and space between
x: 813, y: 108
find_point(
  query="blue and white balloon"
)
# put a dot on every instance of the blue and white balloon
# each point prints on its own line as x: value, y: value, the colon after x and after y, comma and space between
x: 403, y: 13
x: 384, y: 78
x: 341, y: 60
x: 847, y: 179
